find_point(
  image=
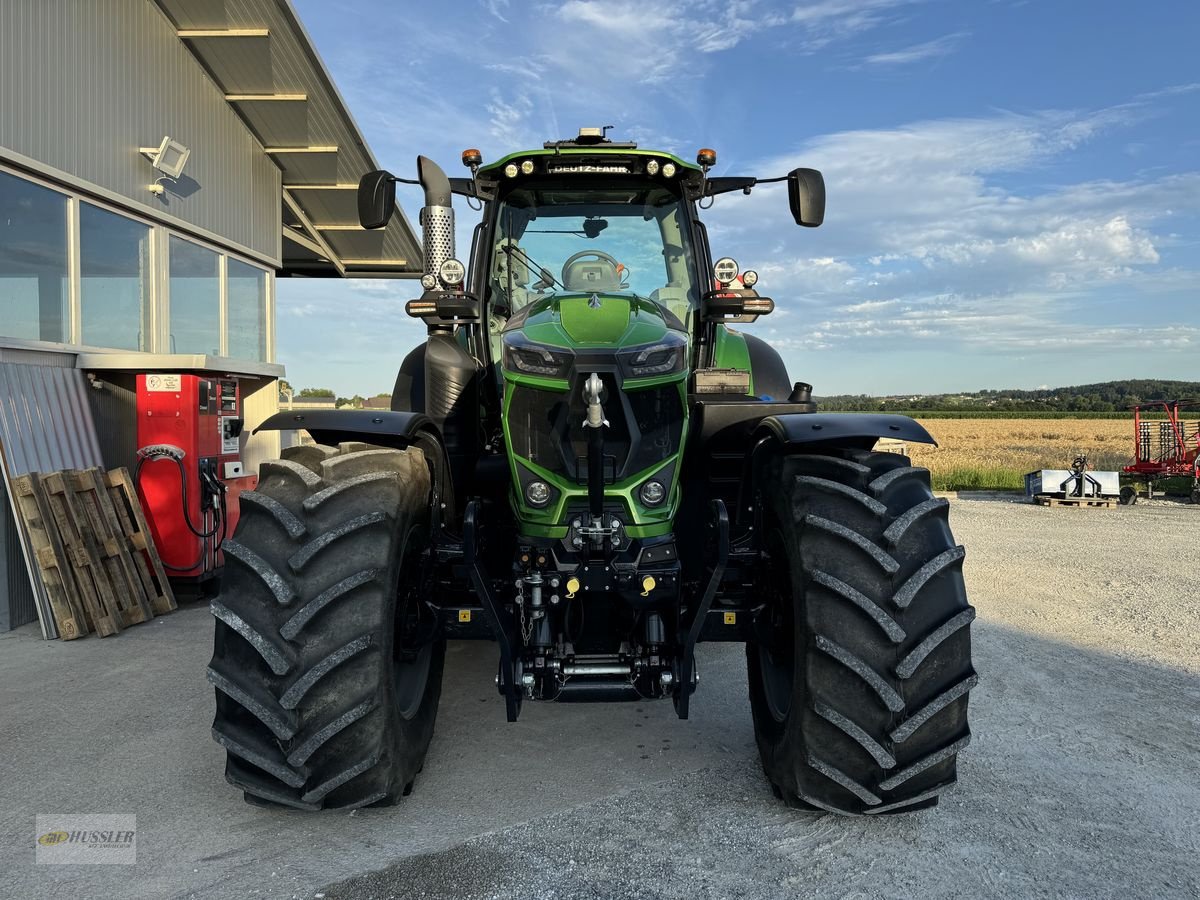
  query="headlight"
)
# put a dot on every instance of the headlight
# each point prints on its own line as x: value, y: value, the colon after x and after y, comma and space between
x: 523, y: 355
x: 652, y: 167
x: 749, y: 278
x: 451, y: 271
x: 527, y: 167
x: 653, y: 493
x: 661, y: 358
x: 668, y: 170
x: 429, y: 281
x: 537, y: 493
x: 511, y: 170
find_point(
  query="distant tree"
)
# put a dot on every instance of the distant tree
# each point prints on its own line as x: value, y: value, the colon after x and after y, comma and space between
x: 316, y: 392
x: 285, y: 386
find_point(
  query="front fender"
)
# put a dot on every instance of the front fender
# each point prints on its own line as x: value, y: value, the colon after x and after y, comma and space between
x: 372, y: 426
x: 847, y: 429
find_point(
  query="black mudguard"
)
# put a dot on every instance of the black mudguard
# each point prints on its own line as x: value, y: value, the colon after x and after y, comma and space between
x: 855, y: 430
x: 374, y: 426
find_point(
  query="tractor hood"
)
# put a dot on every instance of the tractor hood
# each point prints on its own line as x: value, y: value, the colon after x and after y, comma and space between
x: 599, y: 321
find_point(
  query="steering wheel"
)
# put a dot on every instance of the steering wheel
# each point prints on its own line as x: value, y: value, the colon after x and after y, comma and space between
x: 600, y: 255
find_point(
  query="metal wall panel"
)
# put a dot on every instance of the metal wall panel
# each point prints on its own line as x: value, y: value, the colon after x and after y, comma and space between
x: 45, y: 421
x: 85, y: 84
x: 17, y: 605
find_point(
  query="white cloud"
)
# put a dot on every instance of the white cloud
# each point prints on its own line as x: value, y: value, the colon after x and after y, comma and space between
x: 917, y: 52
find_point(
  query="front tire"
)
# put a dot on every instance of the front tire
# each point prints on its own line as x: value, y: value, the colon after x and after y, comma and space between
x: 859, y: 685
x: 326, y: 693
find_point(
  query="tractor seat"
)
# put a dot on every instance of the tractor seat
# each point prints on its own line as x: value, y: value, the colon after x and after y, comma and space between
x: 596, y: 275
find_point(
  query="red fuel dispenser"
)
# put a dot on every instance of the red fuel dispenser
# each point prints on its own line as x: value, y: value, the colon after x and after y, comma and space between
x: 189, y: 469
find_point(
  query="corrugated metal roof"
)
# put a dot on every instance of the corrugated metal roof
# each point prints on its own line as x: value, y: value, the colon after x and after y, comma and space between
x: 259, y: 54
x: 45, y: 421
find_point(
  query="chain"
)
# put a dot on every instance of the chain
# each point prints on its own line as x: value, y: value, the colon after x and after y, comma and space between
x: 526, y: 627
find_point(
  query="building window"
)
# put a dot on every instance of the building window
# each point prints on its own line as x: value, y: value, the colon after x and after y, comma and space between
x: 114, y: 287
x: 34, y: 288
x: 246, y: 311
x: 195, y: 298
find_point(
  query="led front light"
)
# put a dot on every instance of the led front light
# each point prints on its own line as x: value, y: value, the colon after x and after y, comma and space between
x: 725, y: 270
x: 668, y: 170
x: 511, y: 170
x: 749, y: 278
x: 537, y: 493
x: 523, y: 355
x: 527, y: 167
x: 652, y: 167
x: 663, y: 358
x: 653, y: 493
x: 451, y: 271
x: 428, y: 281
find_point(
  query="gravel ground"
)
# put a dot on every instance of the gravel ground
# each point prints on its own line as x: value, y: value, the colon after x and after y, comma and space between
x: 1081, y: 781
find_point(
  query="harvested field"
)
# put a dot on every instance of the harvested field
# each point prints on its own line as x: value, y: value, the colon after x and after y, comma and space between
x: 996, y: 453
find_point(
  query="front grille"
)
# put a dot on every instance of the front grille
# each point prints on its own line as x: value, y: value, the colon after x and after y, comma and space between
x: 546, y: 427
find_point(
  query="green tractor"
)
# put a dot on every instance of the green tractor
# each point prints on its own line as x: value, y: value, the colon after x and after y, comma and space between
x: 586, y: 465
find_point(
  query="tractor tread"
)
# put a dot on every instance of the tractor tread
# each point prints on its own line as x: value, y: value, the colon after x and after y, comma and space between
x: 923, y: 798
x: 895, y: 532
x: 267, y: 649
x: 320, y: 498
x: 302, y: 557
x: 908, y: 591
x: 907, y: 666
x: 341, y: 778
x: 267, y: 574
x: 924, y: 763
x: 835, y: 774
x: 240, y: 778
x: 290, y: 469
x: 829, y: 486
x: 860, y: 667
x: 932, y: 708
x: 878, y: 615
x: 301, y: 686
x: 882, y: 558
x: 261, y: 758
x: 879, y: 486
x: 313, y: 742
x: 878, y: 752
x: 280, y: 722
x: 287, y: 520
x: 304, y: 614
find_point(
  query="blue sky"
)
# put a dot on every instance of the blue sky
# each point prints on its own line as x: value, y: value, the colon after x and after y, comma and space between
x: 1014, y: 187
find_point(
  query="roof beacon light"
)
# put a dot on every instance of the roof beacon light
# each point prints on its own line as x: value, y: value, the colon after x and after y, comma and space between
x: 472, y: 158
x: 706, y: 158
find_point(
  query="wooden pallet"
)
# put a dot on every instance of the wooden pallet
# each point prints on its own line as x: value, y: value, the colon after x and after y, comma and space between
x: 95, y: 590
x: 93, y: 503
x: 132, y: 522
x: 1079, y: 502
x: 66, y: 600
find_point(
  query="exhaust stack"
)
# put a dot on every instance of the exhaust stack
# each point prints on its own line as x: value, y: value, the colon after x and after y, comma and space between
x: 437, y: 216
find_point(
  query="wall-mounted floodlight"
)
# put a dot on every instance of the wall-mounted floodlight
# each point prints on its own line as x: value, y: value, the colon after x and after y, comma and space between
x: 170, y: 158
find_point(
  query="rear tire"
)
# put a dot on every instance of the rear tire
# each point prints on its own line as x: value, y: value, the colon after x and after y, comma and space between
x: 859, y: 684
x: 1128, y: 495
x: 326, y: 696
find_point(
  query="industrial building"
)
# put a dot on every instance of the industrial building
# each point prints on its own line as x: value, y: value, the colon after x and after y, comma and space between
x: 162, y: 164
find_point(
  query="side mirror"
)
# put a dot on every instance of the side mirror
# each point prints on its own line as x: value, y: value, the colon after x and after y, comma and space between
x: 806, y: 194
x: 376, y: 198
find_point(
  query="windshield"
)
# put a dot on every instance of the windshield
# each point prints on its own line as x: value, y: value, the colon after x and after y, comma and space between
x: 611, y: 239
